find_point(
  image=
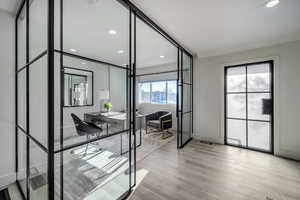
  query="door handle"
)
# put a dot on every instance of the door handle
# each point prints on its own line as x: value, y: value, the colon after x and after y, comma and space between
x: 267, y: 108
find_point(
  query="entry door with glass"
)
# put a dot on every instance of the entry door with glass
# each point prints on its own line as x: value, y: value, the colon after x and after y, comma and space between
x: 249, y: 106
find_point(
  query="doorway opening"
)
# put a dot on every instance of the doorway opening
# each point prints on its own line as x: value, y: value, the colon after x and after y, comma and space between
x: 249, y: 106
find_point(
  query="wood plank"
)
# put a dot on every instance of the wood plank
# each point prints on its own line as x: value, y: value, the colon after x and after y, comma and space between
x: 212, y: 172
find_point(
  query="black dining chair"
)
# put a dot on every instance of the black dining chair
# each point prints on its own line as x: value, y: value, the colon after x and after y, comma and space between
x: 85, y: 129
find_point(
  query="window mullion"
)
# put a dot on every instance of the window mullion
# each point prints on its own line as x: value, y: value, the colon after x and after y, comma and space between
x: 166, y: 92
x: 150, y: 92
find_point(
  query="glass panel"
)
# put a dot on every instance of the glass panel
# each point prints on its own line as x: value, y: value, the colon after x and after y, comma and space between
x: 22, y: 155
x: 140, y: 124
x: 117, y: 89
x: 38, y: 178
x: 236, y: 132
x: 134, y: 160
x: 236, y: 79
x: 236, y: 105
x: 179, y: 97
x: 255, y: 106
x: 38, y: 31
x: 38, y: 100
x: 109, y: 87
x: 95, y: 171
x: 21, y: 23
x: 57, y: 100
x: 144, y: 93
x: 186, y: 68
x: 259, y: 135
x: 187, y: 101
x: 22, y: 99
x: 179, y: 130
x: 186, y: 127
x: 179, y: 67
x: 104, y: 23
x: 57, y: 24
x: 259, y: 78
x: 98, y: 170
x: 58, y: 181
x: 153, y: 49
x: 172, y: 92
x: 158, y: 93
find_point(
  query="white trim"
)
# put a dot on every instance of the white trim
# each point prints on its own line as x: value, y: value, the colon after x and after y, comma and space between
x: 289, y: 154
x: 197, y: 136
x: 7, y: 180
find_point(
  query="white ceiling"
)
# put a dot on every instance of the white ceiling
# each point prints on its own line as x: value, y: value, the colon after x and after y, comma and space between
x: 205, y: 27
x: 214, y: 27
x: 86, y: 27
x: 9, y: 5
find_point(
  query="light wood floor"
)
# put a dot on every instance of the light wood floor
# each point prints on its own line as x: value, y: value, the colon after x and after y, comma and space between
x: 211, y: 172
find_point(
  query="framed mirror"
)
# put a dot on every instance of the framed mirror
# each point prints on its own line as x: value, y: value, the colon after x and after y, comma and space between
x: 78, y: 87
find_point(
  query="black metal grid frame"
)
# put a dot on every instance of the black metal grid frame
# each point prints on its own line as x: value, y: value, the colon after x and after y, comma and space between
x: 271, y: 92
x: 180, y: 87
x: 50, y: 52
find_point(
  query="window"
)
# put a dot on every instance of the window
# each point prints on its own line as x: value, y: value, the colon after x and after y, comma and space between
x: 158, y: 92
x: 172, y: 92
x: 144, y: 92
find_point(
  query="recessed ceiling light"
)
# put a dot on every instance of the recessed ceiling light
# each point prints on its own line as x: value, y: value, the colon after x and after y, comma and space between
x: 73, y: 50
x: 112, y: 32
x: 83, y: 63
x: 120, y: 51
x: 272, y: 3
x: 162, y: 56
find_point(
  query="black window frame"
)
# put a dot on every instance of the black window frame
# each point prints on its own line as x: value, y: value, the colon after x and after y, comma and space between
x: 271, y: 92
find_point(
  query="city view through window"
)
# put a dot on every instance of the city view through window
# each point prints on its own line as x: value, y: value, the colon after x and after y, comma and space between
x: 158, y: 92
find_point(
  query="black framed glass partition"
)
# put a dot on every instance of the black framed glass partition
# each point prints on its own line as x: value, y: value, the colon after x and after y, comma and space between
x: 185, y: 98
x: 85, y: 151
x: 60, y: 154
x: 32, y: 150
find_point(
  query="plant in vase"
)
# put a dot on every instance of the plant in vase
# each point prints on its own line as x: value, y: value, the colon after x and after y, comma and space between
x: 108, y: 106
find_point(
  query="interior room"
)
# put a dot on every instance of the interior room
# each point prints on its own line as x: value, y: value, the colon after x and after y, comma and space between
x: 140, y: 99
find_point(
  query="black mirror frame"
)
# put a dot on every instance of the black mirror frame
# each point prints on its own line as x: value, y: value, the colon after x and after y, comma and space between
x: 78, y: 69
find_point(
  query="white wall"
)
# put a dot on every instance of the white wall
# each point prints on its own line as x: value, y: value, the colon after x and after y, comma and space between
x: 7, y: 102
x: 209, y: 95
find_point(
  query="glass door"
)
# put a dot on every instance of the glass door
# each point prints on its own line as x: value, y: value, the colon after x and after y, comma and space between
x: 95, y: 152
x: 184, y: 99
x: 249, y: 106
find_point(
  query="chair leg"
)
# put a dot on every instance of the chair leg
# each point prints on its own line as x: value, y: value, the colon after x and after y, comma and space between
x: 107, y: 128
x: 86, y: 148
x: 87, y: 145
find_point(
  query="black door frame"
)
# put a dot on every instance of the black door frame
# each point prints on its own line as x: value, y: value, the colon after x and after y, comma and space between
x: 179, y: 106
x: 271, y: 92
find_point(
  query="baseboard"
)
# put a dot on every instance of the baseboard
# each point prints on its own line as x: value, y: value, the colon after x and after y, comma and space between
x: 7, y: 180
x: 207, y: 139
x: 289, y: 154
